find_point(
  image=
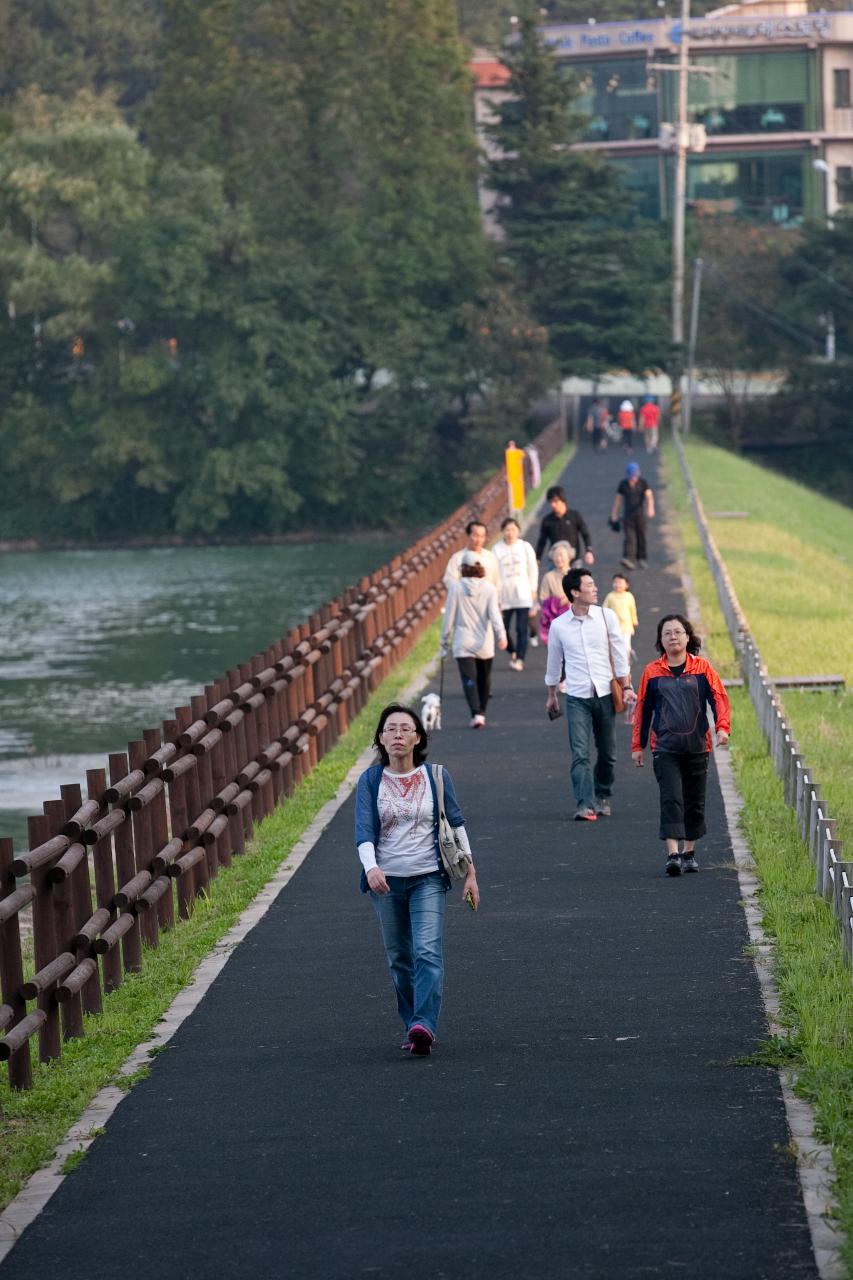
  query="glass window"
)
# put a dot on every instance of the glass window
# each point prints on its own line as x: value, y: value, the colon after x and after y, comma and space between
x: 641, y: 176
x: 616, y: 98
x: 844, y: 184
x: 751, y: 93
x: 841, y: 87
x: 768, y: 188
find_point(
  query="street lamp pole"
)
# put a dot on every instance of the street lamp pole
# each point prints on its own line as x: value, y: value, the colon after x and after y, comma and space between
x: 680, y: 194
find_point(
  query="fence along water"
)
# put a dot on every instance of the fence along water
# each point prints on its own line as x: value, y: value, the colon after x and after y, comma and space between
x: 114, y: 869
x: 833, y: 876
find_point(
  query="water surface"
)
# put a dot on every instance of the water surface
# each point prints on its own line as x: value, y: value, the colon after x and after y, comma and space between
x: 96, y: 646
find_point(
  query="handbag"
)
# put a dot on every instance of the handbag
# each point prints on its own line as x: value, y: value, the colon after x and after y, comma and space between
x: 617, y: 693
x: 454, y: 859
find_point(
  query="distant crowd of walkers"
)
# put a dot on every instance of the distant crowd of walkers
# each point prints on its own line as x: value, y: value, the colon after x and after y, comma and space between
x: 410, y: 831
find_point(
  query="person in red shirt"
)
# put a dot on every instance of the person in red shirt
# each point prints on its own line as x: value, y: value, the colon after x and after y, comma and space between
x: 627, y: 419
x: 650, y: 423
x: 671, y: 716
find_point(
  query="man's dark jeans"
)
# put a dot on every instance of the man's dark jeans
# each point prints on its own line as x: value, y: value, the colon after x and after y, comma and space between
x: 592, y: 721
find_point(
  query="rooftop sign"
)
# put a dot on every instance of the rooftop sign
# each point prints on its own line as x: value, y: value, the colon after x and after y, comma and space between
x: 615, y: 37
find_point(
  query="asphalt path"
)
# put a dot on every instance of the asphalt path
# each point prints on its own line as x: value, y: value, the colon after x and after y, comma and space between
x: 581, y: 1115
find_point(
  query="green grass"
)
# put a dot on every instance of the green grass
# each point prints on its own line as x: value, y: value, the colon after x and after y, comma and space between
x: 790, y: 566
x: 550, y: 475
x: 814, y: 984
x: 32, y: 1123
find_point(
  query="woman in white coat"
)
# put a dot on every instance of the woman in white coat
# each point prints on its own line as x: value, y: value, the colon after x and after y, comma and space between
x: 472, y: 623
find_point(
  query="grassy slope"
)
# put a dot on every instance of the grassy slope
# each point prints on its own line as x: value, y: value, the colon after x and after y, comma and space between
x: 32, y: 1123
x: 790, y: 563
x: 815, y: 986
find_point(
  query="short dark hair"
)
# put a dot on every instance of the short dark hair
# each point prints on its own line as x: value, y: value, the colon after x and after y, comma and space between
x: 556, y: 491
x: 510, y: 520
x: 572, y: 581
x: 472, y: 570
x: 423, y: 738
x: 472, y: 524
x: 694, y: 642
x: 623, y: 576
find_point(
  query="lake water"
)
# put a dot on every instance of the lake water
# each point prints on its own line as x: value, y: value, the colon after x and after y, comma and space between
x: 96, y: 646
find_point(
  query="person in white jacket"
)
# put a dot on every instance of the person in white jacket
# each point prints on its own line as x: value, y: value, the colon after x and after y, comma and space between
x: 519, y: 581
x: 472, y: 622
x: 477, y: 534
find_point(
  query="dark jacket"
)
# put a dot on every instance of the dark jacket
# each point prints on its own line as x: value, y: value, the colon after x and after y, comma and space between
x: 671, y: 711
x: 367, y: 812
x: 568, y: 528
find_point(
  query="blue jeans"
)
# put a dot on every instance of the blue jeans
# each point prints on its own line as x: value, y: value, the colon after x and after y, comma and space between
x: 411, y: 917
x: 592, y: 720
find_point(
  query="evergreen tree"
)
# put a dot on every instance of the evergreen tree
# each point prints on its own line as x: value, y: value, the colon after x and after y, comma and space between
x: 592, y: 273
x: 62, y: 46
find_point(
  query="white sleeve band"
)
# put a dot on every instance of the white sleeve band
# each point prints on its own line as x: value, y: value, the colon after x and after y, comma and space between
x: 367, y: 855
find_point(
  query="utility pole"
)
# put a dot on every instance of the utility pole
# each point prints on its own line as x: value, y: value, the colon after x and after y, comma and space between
x: 682, y: 140
x: 691, y: 346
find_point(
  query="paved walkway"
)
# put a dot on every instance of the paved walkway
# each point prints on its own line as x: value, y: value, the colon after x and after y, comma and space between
x: 579, y: 1117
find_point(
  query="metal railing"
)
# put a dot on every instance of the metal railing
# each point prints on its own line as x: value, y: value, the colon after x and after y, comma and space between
x: 802, y: 792
x: 106, y: 873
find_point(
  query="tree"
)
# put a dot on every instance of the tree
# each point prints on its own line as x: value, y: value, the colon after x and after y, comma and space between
x: 591, y: 272
x: 817, y: 279
x: 743, y: 326
x: 62, y: 46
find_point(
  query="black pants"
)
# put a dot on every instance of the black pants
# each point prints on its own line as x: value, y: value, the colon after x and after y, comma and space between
x: 476, y: 676
x: 516, y: 619
x: 682, y: 779
x: 634, y: 546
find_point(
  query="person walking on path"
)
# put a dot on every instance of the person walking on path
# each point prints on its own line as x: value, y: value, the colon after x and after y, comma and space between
x: 599, y: 420
x: 477, y: 533
x: 552, y: 597
x: 472, y: 621
x: 621, y: 600
x: 396, y: 833
x: 650, y: 423
x: 519, y: 578
x: 563, y: 524
x: 588, y: 641
x: 627, y: 420
x: 671, y: 716
x: 637, y: 501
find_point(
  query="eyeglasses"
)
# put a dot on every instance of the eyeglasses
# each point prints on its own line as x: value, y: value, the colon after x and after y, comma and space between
x: 399, y: 728
x: 672, y: 635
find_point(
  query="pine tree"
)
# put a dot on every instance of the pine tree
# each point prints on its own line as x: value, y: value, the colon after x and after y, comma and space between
x: 592, y: 273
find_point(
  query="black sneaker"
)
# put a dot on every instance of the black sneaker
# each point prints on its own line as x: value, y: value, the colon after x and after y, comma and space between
x: 688, y: 862
x: 673, y: 865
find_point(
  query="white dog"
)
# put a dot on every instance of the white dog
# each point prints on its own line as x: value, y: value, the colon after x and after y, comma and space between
x: 431, y: 711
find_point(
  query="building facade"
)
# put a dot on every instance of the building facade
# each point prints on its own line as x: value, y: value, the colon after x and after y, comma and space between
x: 771, y: 88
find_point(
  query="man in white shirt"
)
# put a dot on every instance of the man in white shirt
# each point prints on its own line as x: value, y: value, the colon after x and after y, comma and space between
x: 590, y: 643
x: 477, y: 533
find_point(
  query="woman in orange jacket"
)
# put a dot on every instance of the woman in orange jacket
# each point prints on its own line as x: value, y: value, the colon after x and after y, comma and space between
x: 671, y: 716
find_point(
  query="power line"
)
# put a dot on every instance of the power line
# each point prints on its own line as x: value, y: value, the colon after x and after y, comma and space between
x: 784, y: 326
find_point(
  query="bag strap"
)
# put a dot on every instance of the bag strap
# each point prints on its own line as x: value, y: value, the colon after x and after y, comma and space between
x: 609, y: 645
x: 438, y: 777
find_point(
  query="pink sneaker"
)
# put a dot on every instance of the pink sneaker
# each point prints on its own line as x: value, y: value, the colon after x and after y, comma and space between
x: 421, y: 1041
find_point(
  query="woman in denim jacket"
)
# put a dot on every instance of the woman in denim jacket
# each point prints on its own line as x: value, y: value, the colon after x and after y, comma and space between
x: 396, y: 831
